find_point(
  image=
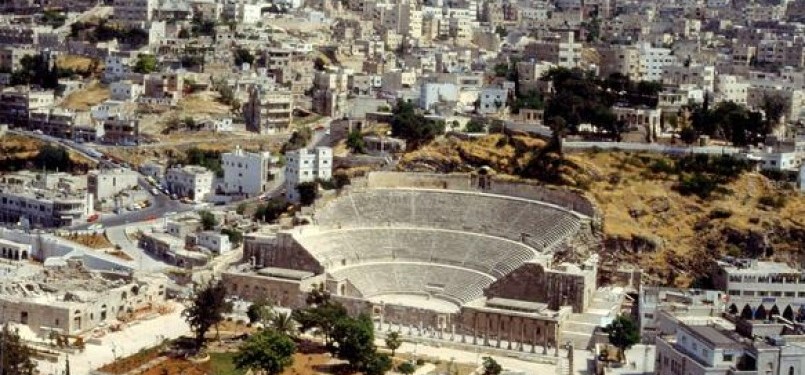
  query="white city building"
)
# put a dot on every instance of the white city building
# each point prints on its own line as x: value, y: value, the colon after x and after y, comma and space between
x: 653, y: 60
x: 246, y: 173
x: 189, y: 181
x: 304, y: 166
x: 106, y: 183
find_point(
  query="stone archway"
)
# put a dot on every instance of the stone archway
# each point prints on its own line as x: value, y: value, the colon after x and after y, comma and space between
x: 788, y: 313
x: 761, y: 313
x: 733, y: 310
x: 774, y: 311
x: 746, y: 313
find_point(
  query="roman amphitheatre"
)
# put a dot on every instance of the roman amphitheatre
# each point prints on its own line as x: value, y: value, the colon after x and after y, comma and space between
x: 462, y: 257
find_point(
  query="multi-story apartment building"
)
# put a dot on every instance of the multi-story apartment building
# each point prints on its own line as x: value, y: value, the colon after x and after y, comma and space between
x: 653, y: 60
x: 305, y: 166
x: 772, y: 347
x: 16, y: 104
x: 730, y: 88
x: 246, y: 173
x: 134, y: 11
x: 268, y: 111
x: 190, y: 181
x: 758, y: 290
x: 562, y: 50
x: 121, y: 130
x: 10, y: 57
x: 43, y: 207
x: 702, y: 76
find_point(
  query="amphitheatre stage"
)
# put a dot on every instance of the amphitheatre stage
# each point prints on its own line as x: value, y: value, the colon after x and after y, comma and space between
x: 462, y: 253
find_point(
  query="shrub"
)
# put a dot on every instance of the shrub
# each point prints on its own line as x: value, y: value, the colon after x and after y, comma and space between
x: 778, y: 201
x: 720, y: 213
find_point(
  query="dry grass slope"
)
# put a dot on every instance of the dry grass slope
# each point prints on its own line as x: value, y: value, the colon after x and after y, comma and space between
x: 647, y: 223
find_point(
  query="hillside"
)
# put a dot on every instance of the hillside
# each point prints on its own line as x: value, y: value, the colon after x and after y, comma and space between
x: 647, y: 221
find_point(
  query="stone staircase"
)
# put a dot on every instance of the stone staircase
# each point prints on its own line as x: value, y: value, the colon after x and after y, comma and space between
x: 579, y: 328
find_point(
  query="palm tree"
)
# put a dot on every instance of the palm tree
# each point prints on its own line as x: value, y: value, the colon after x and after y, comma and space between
x: 283, y: 323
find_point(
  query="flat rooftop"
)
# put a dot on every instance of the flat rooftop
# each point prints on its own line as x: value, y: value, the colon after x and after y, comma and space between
x: 713, y: 336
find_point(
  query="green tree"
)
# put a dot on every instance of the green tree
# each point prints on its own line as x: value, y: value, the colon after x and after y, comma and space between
x: 774, y: 106
x: 307, y: 192
x: 206, y: 310
x: 283, y: 323
x: 491, y: 367
x: 406, y: 123
x: 53, y: 158
x: 688, y: 135
x: 259, y: 311
x: 377, y: 364
x: 208, y: 220
x: 243, y: 56
x: 393, y: 342
x: 355, y: 340
x: 235, y: 236
x: 406, y: 368
x: 355, y: 142
x: 268, y: 351
x: 623, y: 333
x: 271, y: 210
x: 475, y: 126
x: 15, y: 356
x: 145, y: 64
x: 321, y: 313
x: 501, y: 69
x: 299, y: 139
x: 340, y: 180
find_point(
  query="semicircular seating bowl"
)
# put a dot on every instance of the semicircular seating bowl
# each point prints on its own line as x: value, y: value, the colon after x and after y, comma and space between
x: 542, y: 225
x: 441, y: 243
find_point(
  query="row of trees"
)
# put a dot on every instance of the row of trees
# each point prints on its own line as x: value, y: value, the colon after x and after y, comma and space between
x: 349, y: 338
x: 733, y: 122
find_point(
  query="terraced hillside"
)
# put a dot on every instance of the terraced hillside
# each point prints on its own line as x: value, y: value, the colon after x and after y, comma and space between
x: 647, y: 221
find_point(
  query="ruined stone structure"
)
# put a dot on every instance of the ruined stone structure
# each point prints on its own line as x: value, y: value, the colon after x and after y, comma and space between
x: 68, y: 299
x: 460, y: 256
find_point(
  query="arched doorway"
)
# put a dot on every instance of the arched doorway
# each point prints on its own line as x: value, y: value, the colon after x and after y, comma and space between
x: 788, y: 313
x: 733, y: 310
x: 760, y: 313
x: 774, y: 311
x: 746, y: 313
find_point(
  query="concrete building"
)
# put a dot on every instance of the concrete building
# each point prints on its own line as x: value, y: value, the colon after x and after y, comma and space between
x: 751, y: 348
x: 562, y: 50
x: 40, y: 206
x: 246, y: 173
x: 492, y: 100
x: 134, y: 12
x: 305, y: 166
x: 758, y: 290
x: 432, y: 93
x: 191, y: 181
x: 268, y: 111
x: 107, y: 183
x: 653, y: 60
x: 172, y: 250
x: 213, y: 241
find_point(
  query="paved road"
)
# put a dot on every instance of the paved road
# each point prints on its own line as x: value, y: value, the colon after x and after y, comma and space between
x: 141, y: 260
x: 160, y: 204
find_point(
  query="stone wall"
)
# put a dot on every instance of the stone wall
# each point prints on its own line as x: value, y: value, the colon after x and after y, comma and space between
x: 532, y: 282
x: 281, y: 251
x: 515, y: 328
x: 282, y: 292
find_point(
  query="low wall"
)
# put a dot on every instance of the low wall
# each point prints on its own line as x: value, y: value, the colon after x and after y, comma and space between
x: 570, y: 146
